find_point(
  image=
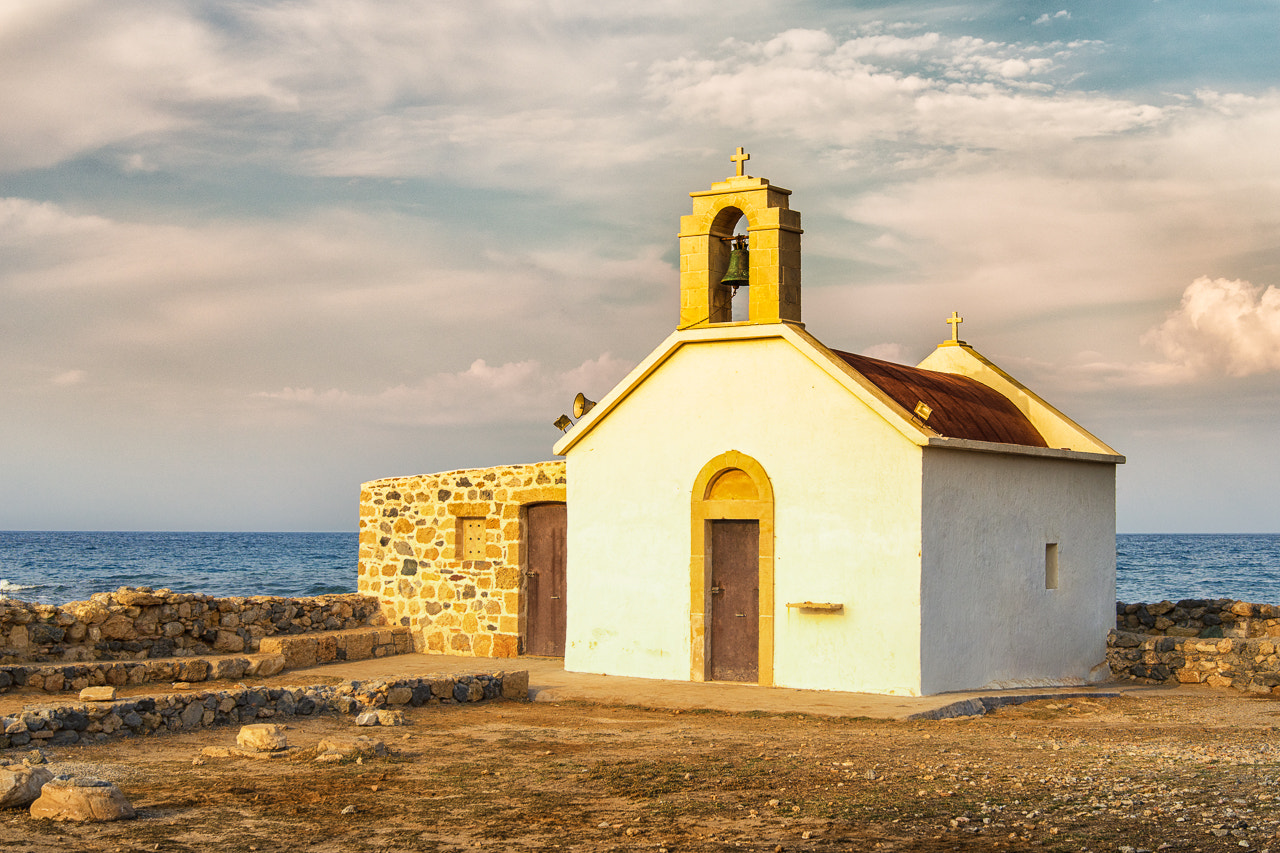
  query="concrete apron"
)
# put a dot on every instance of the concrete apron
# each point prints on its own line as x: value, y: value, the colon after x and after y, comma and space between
x: 549, y: 682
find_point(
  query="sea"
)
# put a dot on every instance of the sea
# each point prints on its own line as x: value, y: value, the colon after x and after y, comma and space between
x: 58, y: 567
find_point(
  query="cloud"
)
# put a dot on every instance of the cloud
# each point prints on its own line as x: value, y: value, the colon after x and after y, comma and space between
x: 926, y: 88
x: 515, y: 392
x: 1222, y: 327
x: 77, y: 76
x: 1046, y: 18
x: 70, y: 377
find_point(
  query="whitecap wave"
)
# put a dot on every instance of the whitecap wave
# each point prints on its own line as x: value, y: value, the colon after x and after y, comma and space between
x: 7, y: 587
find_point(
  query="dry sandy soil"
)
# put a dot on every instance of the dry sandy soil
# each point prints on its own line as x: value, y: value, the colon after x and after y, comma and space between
x: 1178, y: 772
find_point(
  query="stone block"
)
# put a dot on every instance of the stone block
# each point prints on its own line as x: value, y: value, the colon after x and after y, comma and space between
x: 297, y: 651
x: 83, y: 800
x: 262, y: 737
x: 515, y: 685
x: 391, y: 718
x: 228, y: 641
x: 98, y: 694
x: 359, y: 645
x: 229, y: 669
x: 326, y: 649
x: 265, y: 666
x: 118, y: 627
x: 20, y: 785
x: 192, y: 716
x: 505, y: 645
x: 197, y: 669
x: 343, y: 748
x: 399, y: 695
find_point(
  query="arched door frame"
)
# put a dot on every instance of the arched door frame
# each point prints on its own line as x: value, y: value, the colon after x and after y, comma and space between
x: 704, y: 509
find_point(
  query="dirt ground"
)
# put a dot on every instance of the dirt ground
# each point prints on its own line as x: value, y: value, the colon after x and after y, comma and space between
x: 1178, y: 772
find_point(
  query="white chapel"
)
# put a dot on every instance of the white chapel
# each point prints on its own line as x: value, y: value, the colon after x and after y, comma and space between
x: 752, y: 505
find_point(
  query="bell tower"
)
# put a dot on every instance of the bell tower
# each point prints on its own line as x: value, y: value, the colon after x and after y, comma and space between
x: 773, y: 247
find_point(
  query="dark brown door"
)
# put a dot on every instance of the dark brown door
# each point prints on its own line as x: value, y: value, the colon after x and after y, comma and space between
x: 735, y: 601
x: 546, y: 525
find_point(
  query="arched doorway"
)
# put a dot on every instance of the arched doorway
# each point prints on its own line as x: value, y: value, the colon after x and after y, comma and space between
x: 731, y: 572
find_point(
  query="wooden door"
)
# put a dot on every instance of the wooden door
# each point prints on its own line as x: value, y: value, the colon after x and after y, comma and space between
x: 735, y: 601
x: 545, y: 532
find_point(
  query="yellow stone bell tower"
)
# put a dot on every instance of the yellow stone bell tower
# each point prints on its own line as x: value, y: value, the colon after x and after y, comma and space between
x: 773, y: 244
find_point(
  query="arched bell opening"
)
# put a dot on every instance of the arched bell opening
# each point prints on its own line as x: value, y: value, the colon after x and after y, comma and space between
x: 730, y: 267
x: 770, y: 290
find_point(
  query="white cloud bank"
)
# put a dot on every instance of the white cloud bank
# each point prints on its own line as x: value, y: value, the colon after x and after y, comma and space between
x: 1222, y: 327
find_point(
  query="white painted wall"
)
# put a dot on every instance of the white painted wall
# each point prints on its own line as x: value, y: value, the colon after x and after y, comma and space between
x: 988, y: 619
x: 847, y: 518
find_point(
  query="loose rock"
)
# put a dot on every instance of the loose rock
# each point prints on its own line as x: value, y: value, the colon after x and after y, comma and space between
x: 262, y: 737
x: 84, y: 800
x: 20, y: 785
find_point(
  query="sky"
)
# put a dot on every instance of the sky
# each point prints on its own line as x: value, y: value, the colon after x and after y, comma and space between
x: 253, y: 254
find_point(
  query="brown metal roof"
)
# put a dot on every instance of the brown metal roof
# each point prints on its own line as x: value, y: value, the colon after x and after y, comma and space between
x: 962, y: 407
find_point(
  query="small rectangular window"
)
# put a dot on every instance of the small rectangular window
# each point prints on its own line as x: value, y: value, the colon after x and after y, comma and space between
x: 471, y: 537
x: 1051, y: 565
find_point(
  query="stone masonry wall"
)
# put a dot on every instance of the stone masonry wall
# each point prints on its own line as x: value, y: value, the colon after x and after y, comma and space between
x: 276, y: 654
x: 61, y: 725
x: 1199, y: 617
x: 1221, y: 643
x: 411, y: 554
x: 136, y: 624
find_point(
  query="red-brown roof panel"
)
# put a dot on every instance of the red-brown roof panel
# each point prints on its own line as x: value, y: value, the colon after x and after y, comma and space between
x: 962, y: 407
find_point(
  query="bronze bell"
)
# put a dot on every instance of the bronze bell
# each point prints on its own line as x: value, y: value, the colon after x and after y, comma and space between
x: 739, y: 263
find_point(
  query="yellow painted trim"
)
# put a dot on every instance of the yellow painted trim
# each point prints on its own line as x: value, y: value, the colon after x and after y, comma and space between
x: 703, y: 511
x: 1032, y: 399
x: 898, y: 417
x: 794, y: 334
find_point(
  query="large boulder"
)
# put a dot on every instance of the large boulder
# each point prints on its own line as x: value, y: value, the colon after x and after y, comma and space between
x: 262, y: 737
x: 20, y: 785
x: 84, y: 800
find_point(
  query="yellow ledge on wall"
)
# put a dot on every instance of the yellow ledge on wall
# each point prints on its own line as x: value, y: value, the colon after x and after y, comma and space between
x: 821, y: 606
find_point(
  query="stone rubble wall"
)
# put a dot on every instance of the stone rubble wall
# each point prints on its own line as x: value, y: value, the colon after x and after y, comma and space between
x: 1198, y: 617
x: 141, y: 623
x: 1252, y: 665
x: 361, y: 644
x: 277, y: 654
x: 1220, y: 642
x: 411, y: 554
x: 60, y: 725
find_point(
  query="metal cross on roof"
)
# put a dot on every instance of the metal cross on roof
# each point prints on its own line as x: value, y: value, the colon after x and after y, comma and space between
x: 955, y: 320
x: 739, y: 158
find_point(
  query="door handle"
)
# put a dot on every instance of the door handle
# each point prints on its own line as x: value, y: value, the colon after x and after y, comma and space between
x: 715, y: 590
